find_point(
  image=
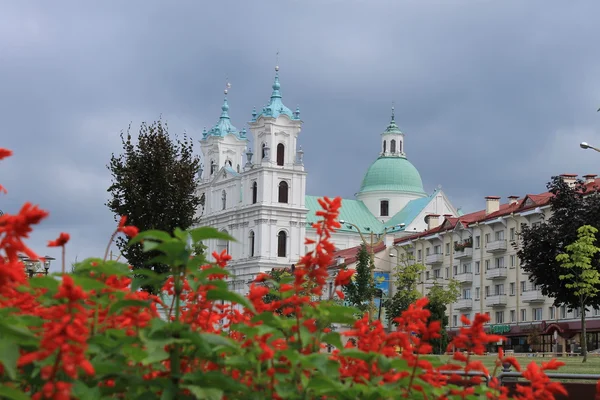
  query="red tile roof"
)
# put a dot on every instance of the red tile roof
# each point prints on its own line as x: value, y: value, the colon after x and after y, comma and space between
x: 528, y: 202
x: 349, y: 254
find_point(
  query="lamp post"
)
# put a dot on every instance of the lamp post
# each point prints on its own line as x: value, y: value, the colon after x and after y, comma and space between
x: 33, y: 267
x: 372, y: 255
x: 586, y: 146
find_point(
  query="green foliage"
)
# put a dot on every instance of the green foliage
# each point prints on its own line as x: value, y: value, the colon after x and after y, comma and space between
x: 572, y: 208
x: 361, y: 289
x: 153, y: 184
x: 405, y: 277
x: 439, y: 298
x: 580, y: 276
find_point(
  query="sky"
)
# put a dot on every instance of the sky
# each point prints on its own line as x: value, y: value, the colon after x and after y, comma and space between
x: 494, y: 96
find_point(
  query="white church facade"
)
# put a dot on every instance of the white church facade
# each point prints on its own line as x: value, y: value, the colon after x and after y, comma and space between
x: 254, y: 188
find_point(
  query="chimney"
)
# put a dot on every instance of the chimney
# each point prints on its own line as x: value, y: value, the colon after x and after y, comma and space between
x: 433, y: 221
x: 513, y: 200
x: 492, y: 204
x: 589, y: 178
x: 569, y: 179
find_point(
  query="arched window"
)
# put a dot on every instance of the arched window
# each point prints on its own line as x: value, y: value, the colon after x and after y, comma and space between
x: 251, y: 243
x: 264, y: 150
x: 384, y: 146
x: 393, y: 146
x: 283, y: 192
x: 280, y: 153
x: 384, y: 208
x: 400, y: 146
x: 224, y: 199
x: 281, y: 244
x: 213, y: 166
x: 254, y: 192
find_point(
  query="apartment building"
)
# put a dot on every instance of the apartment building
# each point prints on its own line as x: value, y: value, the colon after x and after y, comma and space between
x: 479, y: 251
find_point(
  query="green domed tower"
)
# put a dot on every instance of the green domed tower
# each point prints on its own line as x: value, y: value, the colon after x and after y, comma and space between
x: 391, y: 181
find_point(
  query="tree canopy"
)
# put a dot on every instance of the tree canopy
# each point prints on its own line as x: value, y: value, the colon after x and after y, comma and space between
x: 361, y: 289
x: 154, y: 185
x: 405, y: 277
x: 572, y: 207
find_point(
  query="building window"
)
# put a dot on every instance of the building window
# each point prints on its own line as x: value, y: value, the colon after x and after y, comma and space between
x: 426, y: 275
x: 513, y: 261
x: 477, y: 293
x: 523, y: 315
x: 467, y: 293
x: 251, y: 243
x: 512, y: 234
x: 437, y: 273
x: 563, y: 312
x: 224, y: 199
x: 447, y: 248
x: 437, y: 249
x: 536, y: 225
x: 400, y: 146
x: 487, y: 291
x: 500, y: 262
x: 392, y: 146
x: 384, y: 208
x: 487, y: 265
x: 466, y: 268
x: 447, y: 272
x: 455, y: 270
x: 477, y: 242
x: 477, y: 267
x: 455, y: 320
x: 280, y: 153
x: 537, y: 314
x: 522, y: 286
x: 419, y: 255
x: 384, y: 146
x: 281, y: 244
x: 283, y: 192
x: 499, y: 235
x: 499, y: 317
x: 254, y: 192
x: 513, y: 316
x: 512, y: 288
x: 499, y: 289
x: 486, y: 238
x: 427, y: 251
x: 552, y: 312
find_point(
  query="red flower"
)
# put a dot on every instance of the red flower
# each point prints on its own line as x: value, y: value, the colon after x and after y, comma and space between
x: 62, y: 239
x: 5, y: 153
x: 130, y: 230
x: 343, y: 277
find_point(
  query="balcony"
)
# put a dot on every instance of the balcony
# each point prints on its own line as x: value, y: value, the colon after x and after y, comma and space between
x: 436, y: 258
x: 496, y: 273
x: 496, y: 246
x: 465, y: 277
x: 533, y: 296
x: 464, y: 304
x: 497, y: 300
x: 467, y: 252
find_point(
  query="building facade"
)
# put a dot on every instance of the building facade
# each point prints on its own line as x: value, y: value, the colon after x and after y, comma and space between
x: 479, y: 251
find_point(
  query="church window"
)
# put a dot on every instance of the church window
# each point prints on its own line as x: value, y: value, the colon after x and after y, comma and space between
x: 224, y: 199
x: 400, y: 146
x: 252, y: 243
x: 384, y: 208
x: 384, y: 146
x: 264, y: 150
x: 281, y: 244
x: 393, y: 146
x: 280, y: 153
x: 254, y: 192
x: 283, y: 192
x: 212, y: 167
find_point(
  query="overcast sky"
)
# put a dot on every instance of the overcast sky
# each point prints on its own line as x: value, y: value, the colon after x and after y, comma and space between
x: 494, y: 96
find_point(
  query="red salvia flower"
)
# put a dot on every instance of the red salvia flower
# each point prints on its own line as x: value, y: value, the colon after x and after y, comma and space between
x: 62, y: 239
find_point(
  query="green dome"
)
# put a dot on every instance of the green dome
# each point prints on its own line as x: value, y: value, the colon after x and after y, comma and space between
x: 395, y: 174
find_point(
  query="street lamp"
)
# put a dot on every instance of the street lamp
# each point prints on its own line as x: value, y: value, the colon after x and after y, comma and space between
x: 586, y: 146
x: 36, y: 266
x: 372, y: 254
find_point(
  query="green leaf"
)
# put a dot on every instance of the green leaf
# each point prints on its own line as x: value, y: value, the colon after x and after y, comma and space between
x: 155, y: 235
x: 334, y: 339
x: 155, y: 356
x: 204, y: 274
x: 44, y: 282
x: 88, y: 283
x: 341, y: 314
x: 9, y: 354
x: 82, y: 391
x: 127, y: 303
x: 7, y: 392
x: 223, y: 294
x: 359, y: 355
x: 269, y: 319
x: 21, y: 334
x: 218, y: 340
x: 204, y: 393
x: 206, y: 232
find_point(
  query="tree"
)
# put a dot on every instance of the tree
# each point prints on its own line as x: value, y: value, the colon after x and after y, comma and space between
x: 439, y: 298
x: 579, y: 274
x: 572, y: 207
x: 405, y: 277
x: 154, y: 185
x: 361, y: 289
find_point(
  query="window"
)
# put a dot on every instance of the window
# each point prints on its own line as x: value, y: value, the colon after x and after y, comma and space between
x: 251, y: 243
x: 513, y: 316
x: 437, y: 249
x: 392, y: 146
x: 487, y: 238
x: 281, y: 244
x: 466, y: 268
x: 500, y: 262
x: 498, y: 289
x: 523, y: 315
x: 563, y: 312
x: 499, y: 317
x: 427, y: 275
x: 384, y: 208
x: 537, y: 314
x: 536, y: 225
x: 254, y: 192
x: 552, y: 312
x: 447, y: 248
x: 447, y: 272
x: 400, y: 146
x: 466, y: 293
x: 511, y: 234
x: 522, y: 286
x: 576, y: 313
x: 427, y: 251
x: 224, y: 199
x: 467, y: 316
x: 512, y: 288
x: 419, y: 255
x: 477, y: 242
x: 477, y: 267
x: 280, y: 153
x: 513, y: 261
x: 283, y: 192
x: 487, y: 264
x: 437, y: 273
x: 487, y: 291
x: 477, y: 293
x: 384, y: 146
x: 455, y: 270
x: 455, y: 320
x: 499, y: 235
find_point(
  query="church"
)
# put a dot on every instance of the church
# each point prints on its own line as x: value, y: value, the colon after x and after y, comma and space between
x: 253, y: 183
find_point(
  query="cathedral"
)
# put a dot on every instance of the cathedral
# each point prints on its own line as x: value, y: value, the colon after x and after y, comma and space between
x: 254, y: 188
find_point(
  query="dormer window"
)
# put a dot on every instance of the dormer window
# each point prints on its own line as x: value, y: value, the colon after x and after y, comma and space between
x: 384, y: 208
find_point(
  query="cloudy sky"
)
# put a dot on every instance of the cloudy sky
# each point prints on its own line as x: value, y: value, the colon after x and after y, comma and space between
x: 494, y: 96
